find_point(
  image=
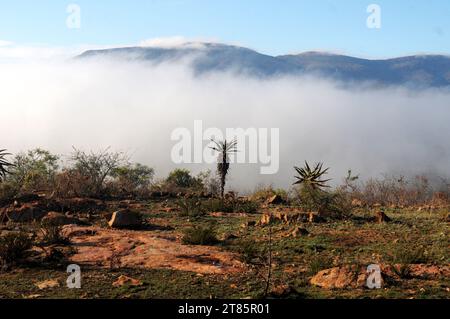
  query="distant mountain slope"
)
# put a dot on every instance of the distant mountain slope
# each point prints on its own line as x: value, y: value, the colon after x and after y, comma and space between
x: 416, y: 71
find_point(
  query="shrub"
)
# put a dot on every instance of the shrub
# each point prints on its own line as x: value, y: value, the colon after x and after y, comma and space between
x: 219, y: 205
x: 317, y: 263
x: 191, y: 207
x: 34, y: 170
x: 89, y: 172
x: 209, y: 182
x: 8, y: 191
x: 200, y: 235
x: 132, y: 179
x: 182, y: 178
x: 14, y: 247
x: 249, y: 252
x: 404, y: 255
x: 262, y: 193
x: 247, y: 207
x: 52, y: 234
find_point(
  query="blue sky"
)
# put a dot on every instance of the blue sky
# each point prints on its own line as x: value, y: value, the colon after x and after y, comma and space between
x: 269, y: 26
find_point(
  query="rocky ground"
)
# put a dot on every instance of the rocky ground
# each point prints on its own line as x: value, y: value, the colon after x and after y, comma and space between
x: 313, y: 256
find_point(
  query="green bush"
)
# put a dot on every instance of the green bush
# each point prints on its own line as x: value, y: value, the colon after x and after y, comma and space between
x: 34, y: 170
x: 200, y: 235
x: 181, y: 178
x: 219, y: 205
x: 191, y: 207
x: 249, y: 252
x: 131, y: 179
x: 14, y: 247
x: 317, y: 263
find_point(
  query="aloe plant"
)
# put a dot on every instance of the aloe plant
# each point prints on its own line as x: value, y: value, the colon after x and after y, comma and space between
x: 312, y: 177
x: 4, y: 164
x: 224, y: 148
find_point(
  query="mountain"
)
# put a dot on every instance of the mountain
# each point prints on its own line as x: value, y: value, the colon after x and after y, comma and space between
x: 413, y: 71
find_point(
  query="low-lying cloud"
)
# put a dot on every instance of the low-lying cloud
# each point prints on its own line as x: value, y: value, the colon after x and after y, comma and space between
x: 134, y: 107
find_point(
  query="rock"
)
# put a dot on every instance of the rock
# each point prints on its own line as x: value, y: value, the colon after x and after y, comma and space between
x: 275, y: 200
x: 341, y: 278
x: 314, y: 218
x: 382, y: 217
x: 47, y: 284
x: 25, y: 213
x: 266, y: 219
x: 125, y: 219
x: 281, y: 291
x: 248, y: 224
x: 298, y: 232
x: 125, y: 280
x: 228, y: 237
x: 357, y: 203
x: 60, y: 219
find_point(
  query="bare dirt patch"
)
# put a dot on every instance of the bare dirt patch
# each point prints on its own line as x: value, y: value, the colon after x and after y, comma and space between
x: 146, y: 249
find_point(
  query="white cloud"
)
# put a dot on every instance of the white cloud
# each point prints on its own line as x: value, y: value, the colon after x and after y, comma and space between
x: 176, y: 42
x: 4, y: 43
x: 134, y: 107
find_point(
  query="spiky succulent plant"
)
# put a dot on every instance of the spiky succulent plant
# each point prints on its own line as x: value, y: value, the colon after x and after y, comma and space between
x: 312, y: 177
x: 4, y: 164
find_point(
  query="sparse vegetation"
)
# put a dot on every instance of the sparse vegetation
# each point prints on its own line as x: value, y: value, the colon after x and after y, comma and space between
x: 52, y: 234
x: 200, y: 235
x: 14, y: 247
x: 414, y: 235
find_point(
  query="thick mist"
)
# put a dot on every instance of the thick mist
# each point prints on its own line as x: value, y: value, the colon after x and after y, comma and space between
x: 134, y: 107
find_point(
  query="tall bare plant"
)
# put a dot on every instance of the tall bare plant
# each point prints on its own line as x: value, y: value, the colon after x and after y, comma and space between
x: 224, y: 148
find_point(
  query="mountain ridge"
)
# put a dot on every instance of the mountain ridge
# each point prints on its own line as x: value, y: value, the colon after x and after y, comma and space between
x: 422, y: 70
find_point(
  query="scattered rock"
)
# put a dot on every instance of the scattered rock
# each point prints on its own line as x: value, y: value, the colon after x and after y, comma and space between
x: 25, y: 213
x: 289, y: 217
x: 266, y: 219
x: 60, y: 219
x: 125, y: 280
x: 357, y: 203
x: 281, y: 291
x: 125, y: 219
x: 228, y: 237
x: 341, y: 278
x: 298, y: 232
x: 314, y: 218
x: 275, y: 200
x: 248, y: 224
x: 382, y: 217
x: 52, y: 283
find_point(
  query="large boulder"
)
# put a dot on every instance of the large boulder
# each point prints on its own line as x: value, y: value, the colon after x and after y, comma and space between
x: 125, y: 219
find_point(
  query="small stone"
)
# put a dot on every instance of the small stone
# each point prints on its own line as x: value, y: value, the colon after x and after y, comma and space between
x: 298, y: 232
x: 47, y: 284
x: 125, y: 280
